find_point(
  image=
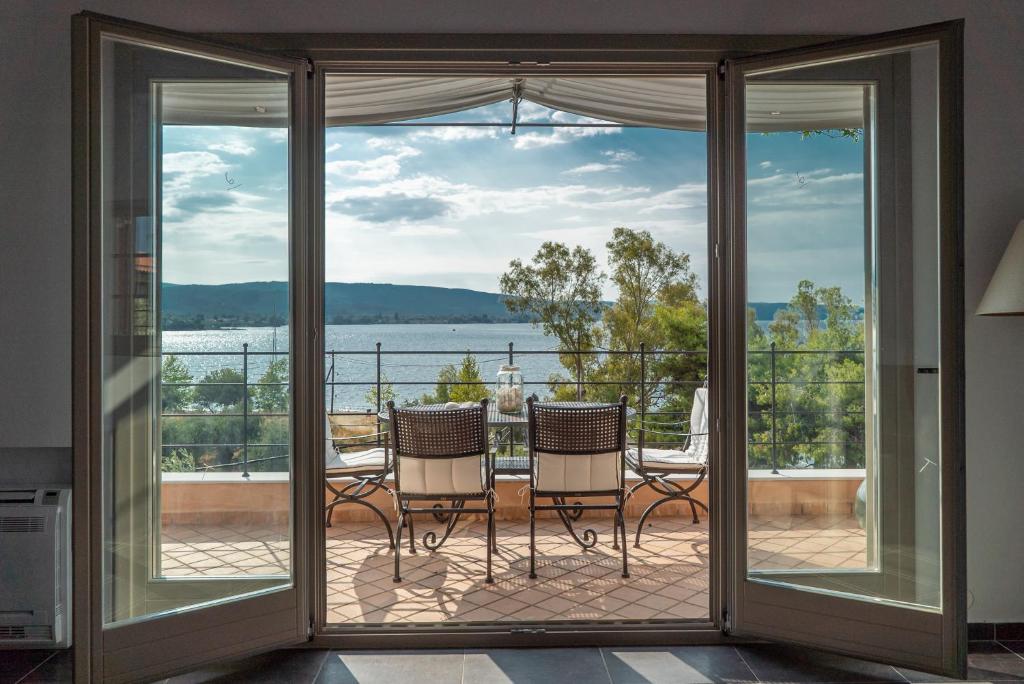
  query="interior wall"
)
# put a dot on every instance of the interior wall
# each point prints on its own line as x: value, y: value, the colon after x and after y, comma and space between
x: 35, y: 178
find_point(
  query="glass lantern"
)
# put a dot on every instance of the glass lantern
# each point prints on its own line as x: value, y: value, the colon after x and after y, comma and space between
x: 508, y: 392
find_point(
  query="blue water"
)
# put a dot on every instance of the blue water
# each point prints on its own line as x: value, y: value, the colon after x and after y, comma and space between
x: 492, y: 339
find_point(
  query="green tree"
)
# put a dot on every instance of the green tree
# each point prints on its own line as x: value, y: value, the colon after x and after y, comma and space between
x: 819, y: 393
x: 220, y: 389
x: 176, y: 394
x: 561, y: 290
x: 449, y: 383
x: 270, y: 394
x: 641, y: 270
x: 658, y: 307
x: 805, y: 304
x: 387, y: 392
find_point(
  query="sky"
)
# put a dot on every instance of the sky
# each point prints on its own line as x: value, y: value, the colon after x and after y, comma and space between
x: 451, y: 206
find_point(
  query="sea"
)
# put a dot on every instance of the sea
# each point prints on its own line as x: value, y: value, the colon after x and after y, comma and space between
x: 409, y: 354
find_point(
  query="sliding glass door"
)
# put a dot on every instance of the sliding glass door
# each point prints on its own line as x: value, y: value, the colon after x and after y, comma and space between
x: 171, y: 191
x: 846, y: 204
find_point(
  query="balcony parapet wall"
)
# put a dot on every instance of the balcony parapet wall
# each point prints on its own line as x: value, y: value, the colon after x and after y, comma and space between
x: 263, y: 498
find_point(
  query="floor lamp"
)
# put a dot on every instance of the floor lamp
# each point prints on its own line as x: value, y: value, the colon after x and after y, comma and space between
x: 1005, y: 293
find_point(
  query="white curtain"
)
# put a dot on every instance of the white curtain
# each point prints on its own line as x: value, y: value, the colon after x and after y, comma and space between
x: 355, y: 100
x: 674, y: 102
x: 661, y: 102
x: 225, y: 103
x: 774, y: 107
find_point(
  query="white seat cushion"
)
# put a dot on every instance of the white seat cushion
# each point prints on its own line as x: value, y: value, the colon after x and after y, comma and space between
x: 578, y: 472
x: 441, y: 476
x: 354, y: 461
x: 673, y: 460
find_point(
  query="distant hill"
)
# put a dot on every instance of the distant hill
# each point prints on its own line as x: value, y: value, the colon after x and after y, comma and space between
x: 192, y: 307
x: 765, y: 311
x: 199, y: 307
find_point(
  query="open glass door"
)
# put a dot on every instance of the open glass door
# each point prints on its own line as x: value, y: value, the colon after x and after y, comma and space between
x: 847, y: 189
x: 169, y: 190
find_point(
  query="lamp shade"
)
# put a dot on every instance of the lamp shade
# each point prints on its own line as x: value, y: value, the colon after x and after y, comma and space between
x: 1005, y: 293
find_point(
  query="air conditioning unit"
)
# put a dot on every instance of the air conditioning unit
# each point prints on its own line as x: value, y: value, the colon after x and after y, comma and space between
x: 35, y: 568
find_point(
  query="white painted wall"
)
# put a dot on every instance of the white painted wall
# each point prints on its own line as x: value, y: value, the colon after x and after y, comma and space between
x: 35, y: 206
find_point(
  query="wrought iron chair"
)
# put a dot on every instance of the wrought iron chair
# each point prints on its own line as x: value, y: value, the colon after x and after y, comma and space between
x: 441, y: 454
x: 577, y: 450
x: 353, y: 476
x: 656, y: 466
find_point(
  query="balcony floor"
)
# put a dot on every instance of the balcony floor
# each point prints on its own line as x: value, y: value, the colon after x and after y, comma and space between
x: 669, y: 573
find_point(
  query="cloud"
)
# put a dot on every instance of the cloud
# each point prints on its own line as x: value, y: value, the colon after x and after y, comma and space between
x: 333, y: 147
x: 381, y: 143
x: 180, y: 169
x: 198, y: 202
x: 619, y: 204
x: 765, y: 164
x: 424, y: 231
x: 819, y: 187
x: 559, y: 136
x: 594, y: 167
x: 391, y: 207
x: 454, y: 133
x: 235, y: 146
x: 621, y: 156
x: 382, y: 168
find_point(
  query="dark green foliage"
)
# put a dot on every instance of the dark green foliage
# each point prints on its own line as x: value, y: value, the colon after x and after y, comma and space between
x: 447, y: 390
x: 219, y: 389
x: 176, y: 392
x: 819, y: 393
x: 211, y: 435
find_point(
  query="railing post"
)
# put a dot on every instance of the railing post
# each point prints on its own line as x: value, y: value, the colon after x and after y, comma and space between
x: 579, y: 375
x: 775, y: 461
x: 333, y: 386
x: 378, y: 394
x: 245, y: 410
x: 512, y: 430
x: 643, y: 383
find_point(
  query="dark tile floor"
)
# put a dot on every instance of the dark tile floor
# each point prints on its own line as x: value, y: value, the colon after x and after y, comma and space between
x: 990, y: 661
x: 35, y: 666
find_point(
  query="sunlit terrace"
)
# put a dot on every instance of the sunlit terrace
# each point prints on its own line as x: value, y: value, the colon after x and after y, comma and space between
x: 231, y: 520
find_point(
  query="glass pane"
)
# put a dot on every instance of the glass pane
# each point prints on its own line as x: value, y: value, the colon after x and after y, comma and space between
x: 842, y: 333
x: 197, y: 419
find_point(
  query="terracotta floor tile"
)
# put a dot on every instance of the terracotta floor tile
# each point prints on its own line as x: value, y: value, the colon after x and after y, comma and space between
x: 669, y: 572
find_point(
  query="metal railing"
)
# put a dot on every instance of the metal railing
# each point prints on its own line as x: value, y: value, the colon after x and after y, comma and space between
x: 649, y: 391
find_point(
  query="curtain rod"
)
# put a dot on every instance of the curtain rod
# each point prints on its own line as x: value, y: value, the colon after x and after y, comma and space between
x: 506, y: 124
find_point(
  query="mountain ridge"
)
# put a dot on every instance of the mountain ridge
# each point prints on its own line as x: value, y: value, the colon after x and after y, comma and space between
x: 265, y: 303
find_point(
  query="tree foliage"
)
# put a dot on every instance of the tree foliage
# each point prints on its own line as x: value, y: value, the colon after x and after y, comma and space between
x: 561, y: 289
x: 658, y: 307
x: 450, y: 383
x: 211, y: 434
x: 819, y: 389
x: 387, y: 392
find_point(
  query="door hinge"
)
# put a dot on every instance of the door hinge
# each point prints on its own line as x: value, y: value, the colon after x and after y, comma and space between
x: 309, y: 629
x: 716, y: 250
x: 721, y: 69
x: 310, y: 67
x: 726, y: 622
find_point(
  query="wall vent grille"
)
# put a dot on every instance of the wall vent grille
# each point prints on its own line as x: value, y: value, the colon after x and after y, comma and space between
x: 26, y: 632
x: 22, y: 523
